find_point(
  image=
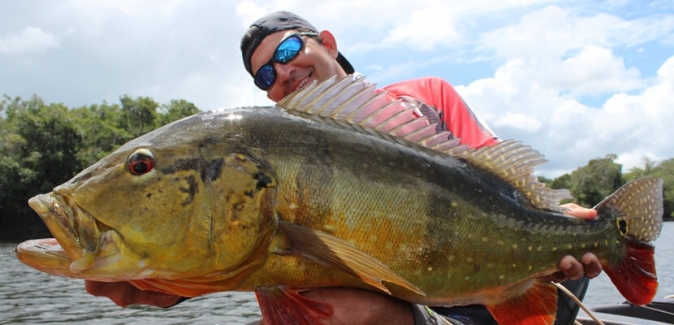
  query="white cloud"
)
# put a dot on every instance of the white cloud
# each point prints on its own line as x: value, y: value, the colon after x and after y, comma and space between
x: 30, y: 39
x: 128, y: 8
x: 576, y: 80
x: 526, y: 123
x: 594, y: 70
x: 425, y: 28
x: 569, y: 133
x: 556, y: 32
x: 553, y: 57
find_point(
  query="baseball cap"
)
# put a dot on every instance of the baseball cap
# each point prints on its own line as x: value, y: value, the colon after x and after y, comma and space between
x: 276, y: 22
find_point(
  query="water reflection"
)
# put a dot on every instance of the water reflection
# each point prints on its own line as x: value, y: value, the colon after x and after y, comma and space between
x: 31, y: 297
x: 28, y: 296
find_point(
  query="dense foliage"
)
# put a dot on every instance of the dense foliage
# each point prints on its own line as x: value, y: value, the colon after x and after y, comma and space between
x: 602, y: 176
x: 43, y: 145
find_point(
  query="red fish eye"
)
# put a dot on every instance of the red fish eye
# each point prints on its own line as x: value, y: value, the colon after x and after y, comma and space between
x: 140, y: 163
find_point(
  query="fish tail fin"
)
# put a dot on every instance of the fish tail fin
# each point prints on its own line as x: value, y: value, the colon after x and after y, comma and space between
x: 288, y: 307
x: 637, y: 210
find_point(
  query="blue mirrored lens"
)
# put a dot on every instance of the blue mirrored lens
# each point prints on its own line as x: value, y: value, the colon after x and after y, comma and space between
x: 288, y: 49
x: 265, y: 77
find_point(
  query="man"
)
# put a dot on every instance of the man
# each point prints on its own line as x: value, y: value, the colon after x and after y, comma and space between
x: 283, y: 53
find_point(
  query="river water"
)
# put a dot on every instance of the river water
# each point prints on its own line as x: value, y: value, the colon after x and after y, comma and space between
x: 31, y: 297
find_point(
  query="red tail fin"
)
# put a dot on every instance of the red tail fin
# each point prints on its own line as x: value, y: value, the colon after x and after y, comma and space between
x: 635, y: 276
x: 636, y: 209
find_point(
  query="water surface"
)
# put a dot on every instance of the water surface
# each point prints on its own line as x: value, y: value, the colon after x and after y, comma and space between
x: 31, y: 297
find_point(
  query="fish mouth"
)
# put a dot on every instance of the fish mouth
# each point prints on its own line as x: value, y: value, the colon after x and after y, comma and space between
x: 76, y: 241
x: 46, y: 255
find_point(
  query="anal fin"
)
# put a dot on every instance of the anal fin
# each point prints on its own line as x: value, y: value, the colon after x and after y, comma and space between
x: 536, y: 306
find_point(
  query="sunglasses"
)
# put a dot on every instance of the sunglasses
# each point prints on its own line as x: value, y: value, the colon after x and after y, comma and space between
x: 285, y: 52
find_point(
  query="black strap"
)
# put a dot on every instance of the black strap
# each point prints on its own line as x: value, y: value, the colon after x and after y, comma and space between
x: 426, y: 316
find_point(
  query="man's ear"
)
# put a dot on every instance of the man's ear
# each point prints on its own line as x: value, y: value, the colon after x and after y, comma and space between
x: 328, y: 41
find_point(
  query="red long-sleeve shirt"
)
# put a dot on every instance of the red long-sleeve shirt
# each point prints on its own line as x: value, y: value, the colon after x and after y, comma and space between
x: 439, y: 102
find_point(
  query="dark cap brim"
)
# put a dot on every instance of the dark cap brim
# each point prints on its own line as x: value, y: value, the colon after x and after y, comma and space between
x: 276, y: 22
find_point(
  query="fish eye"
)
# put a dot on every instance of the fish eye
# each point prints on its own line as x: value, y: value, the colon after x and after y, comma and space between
x: 140, y: 162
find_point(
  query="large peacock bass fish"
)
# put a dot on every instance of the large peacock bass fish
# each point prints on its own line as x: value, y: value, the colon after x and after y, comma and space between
x: 336, y: 187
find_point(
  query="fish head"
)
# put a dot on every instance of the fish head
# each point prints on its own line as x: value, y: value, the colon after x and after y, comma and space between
x: 183, y: 207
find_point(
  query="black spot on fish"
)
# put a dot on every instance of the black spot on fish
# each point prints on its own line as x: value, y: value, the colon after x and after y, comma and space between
x: 181, y: 164
x: 211, y: 171
x: 191, y: 190
x: 187, y: 164
x: 622, y: 224
x: 208, y: 171
x: 263, y: 180
x: 208, y: 141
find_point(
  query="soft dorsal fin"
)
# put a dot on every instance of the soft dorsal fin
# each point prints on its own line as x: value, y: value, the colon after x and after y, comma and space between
x: 355, y: 103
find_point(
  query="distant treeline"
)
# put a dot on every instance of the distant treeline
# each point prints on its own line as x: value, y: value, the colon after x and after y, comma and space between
x: 44, y: 145
x: 602, y: 176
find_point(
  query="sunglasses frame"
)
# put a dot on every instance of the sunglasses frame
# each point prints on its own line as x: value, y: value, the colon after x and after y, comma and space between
x: 269, y: 66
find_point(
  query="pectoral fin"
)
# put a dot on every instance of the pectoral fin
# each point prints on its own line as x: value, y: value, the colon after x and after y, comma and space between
x: 537, y: 305
x: 288, y: 307
x: 340, y: 254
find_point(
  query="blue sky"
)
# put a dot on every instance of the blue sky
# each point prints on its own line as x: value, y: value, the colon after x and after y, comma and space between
x: 574, y: 79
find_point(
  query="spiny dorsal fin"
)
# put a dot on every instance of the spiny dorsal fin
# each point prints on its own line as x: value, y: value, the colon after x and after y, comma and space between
x: 515, y: 163
x: 355, y: 103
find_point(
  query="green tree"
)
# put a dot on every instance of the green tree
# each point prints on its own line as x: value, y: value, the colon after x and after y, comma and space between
x: 176, y: 110
x: 138, y: 115
x: 38, y: 152
x: 637, y: 172
x: 102, y: 131
x: 595, y: 181
x: 665, y: 170
x: 43, y: 146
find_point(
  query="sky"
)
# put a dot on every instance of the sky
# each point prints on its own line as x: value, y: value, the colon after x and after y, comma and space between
x: 574, y: 79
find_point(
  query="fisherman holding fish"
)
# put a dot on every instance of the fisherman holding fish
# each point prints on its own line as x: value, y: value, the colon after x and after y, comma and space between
x: 284, y: 53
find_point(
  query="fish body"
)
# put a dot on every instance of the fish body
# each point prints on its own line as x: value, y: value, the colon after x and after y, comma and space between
x: 336, y: 188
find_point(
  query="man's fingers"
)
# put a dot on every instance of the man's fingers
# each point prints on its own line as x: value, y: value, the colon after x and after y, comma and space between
x: 578, y: 211
x: 591, y: 265
x: 571, y: 268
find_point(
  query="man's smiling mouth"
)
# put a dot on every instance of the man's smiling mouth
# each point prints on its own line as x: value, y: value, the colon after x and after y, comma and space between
x: 304, y: 82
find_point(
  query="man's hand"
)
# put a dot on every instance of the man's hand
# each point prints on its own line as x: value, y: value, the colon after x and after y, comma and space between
x: 578, y: 211
x: 569, y: 267
x: 124, y: 294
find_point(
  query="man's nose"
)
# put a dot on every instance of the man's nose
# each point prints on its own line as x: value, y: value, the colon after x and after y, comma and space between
x: 283, y: 72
